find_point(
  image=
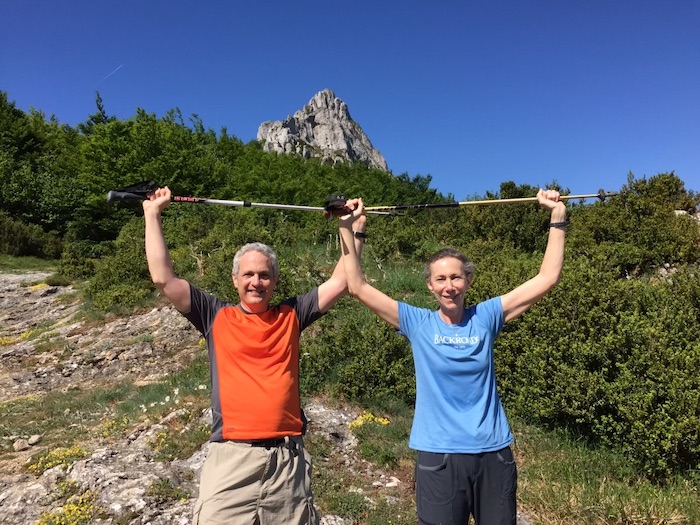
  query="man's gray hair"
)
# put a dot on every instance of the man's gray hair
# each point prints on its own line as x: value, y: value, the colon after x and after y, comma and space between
x: 261, y: 248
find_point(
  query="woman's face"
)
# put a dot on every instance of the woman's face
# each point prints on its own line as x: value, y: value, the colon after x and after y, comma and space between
x: 448, y: 283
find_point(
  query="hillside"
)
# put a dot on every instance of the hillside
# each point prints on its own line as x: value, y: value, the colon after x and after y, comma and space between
x: 92, y: 360
x: 58, y: 368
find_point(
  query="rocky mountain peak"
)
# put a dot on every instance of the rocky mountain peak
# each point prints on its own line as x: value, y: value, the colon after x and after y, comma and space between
x: 322, y: 128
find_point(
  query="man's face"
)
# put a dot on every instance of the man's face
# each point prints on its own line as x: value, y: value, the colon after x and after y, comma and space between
x: 255, y: 281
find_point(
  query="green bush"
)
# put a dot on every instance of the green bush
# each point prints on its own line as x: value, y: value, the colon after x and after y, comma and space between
x: 79, y: 258
x: 357, y: 356
x: 121, y: 280
x: 20, y: 239
x: 614, y: 360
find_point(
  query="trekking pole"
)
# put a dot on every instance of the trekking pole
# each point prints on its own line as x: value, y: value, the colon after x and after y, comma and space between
x: 142, y: 190
x: 602, y: 195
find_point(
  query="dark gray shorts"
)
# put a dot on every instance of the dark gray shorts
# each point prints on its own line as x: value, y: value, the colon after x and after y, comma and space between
x: 450, y: 487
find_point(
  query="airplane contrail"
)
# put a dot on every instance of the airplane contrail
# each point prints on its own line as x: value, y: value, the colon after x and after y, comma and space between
x: 112, y: 73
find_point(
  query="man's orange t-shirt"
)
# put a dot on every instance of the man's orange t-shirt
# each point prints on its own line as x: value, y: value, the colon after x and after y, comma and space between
x: 254, y: 360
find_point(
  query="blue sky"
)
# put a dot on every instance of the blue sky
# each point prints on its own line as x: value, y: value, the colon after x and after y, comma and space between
x: 473, y: 93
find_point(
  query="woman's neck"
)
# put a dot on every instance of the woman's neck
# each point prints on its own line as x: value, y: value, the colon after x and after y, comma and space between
x: 451, y: 316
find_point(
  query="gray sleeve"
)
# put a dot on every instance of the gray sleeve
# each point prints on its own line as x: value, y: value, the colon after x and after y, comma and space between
x: 306, y: 307
x: 203, y: 309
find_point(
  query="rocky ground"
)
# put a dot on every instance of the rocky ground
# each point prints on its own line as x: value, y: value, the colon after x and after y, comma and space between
x: 143, y: 348
x: 74, y: 354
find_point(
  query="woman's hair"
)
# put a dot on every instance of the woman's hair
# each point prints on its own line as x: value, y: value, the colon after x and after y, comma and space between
x: 467, y: 265
x: 258, y: 247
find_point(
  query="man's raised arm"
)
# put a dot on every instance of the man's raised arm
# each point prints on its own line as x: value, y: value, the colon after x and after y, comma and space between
x: 160, y: 267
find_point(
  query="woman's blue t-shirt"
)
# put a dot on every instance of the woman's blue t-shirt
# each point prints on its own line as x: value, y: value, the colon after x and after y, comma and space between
x: 458, y: 409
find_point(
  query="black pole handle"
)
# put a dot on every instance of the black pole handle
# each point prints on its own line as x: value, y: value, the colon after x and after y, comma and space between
x: 335, y: 204
x: 114, y: 195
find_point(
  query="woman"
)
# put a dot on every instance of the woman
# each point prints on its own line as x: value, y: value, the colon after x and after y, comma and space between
x: 465, y: 465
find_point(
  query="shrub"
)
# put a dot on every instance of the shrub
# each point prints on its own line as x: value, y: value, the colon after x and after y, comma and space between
x: 616, y: 361
x: 121, y: 280
x: 20, y: 239
x: 79, y: 257
x: 358, y: 356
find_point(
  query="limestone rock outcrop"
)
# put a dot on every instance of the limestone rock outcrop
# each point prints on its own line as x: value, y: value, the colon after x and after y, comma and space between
x: 322, y: 128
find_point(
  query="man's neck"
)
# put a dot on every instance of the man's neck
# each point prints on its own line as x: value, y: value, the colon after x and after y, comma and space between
x: 257, y: 309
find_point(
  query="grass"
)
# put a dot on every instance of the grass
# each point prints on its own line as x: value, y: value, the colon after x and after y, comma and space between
x: 384, y: 440
x: 184, y: 435
x: 59, y: 345
x: 347, y: 488
x: 61, y: 418
x: 561, y: 480
x: 163, y: 491
x: 65, y: 417
x: 11, y: 264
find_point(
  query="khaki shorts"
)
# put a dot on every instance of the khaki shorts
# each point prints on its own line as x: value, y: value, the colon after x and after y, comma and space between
x: 256, y: 485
